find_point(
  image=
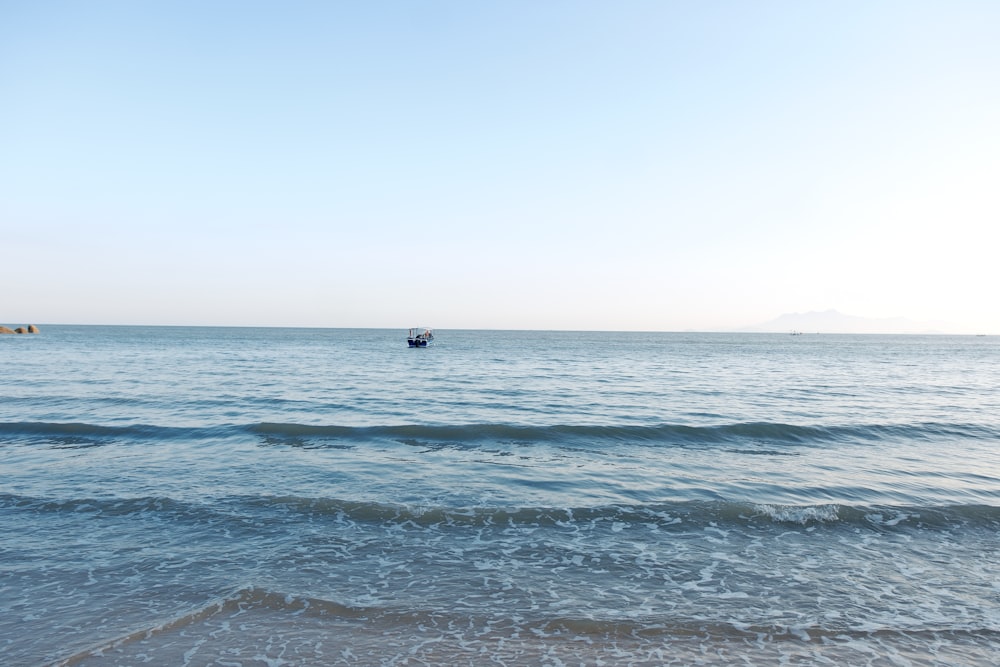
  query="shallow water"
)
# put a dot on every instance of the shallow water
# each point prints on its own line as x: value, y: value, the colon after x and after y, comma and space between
x: 298, y: 497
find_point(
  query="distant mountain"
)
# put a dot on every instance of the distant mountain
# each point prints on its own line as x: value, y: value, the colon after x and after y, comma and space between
x: 831, y: 321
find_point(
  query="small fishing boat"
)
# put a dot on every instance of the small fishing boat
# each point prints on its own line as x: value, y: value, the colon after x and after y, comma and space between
x: 420, y: 337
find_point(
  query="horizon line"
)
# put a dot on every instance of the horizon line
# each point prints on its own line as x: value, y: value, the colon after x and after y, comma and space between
x: 738, y: 330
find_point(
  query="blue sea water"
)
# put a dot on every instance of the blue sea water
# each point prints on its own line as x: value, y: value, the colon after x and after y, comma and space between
x: 217, y: 496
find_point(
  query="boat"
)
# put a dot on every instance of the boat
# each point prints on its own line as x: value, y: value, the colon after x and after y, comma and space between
x: 420, y: 337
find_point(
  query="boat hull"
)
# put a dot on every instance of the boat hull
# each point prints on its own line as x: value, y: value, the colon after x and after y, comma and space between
x: 419, y: 337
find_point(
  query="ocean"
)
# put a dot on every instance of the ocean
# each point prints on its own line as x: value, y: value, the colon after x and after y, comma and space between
x: 275, y: 497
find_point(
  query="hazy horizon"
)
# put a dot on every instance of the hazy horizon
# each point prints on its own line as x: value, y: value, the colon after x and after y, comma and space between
x: 816, y: 322
x: 646, y: 166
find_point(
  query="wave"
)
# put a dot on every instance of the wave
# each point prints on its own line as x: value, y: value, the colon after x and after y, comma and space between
x: 111, y: 507
x: 682, y: 515
x: 410, y: 625
x: 679, y: 515
x: 80, y: 432
x: 239, y: 601
x: 656, y: 434
x: 84, y: 434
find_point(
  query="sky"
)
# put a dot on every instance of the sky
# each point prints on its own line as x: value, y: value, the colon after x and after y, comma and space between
x: 587, y: 165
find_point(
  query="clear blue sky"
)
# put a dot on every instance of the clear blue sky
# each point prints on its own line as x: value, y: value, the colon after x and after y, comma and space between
x: 553, y: 165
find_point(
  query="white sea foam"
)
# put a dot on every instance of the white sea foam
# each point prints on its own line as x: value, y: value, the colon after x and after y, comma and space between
x: 591, y: 498
x: 800, y: 515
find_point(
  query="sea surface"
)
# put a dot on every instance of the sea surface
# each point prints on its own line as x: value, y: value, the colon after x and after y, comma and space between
x: 274, y: 497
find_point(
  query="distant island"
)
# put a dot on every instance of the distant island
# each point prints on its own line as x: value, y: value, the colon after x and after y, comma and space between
x: 31, y: 328
x: 832, y: 321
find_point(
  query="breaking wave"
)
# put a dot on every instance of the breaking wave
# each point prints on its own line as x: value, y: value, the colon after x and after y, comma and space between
x: 677, y: 515
x: 639, y: 640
